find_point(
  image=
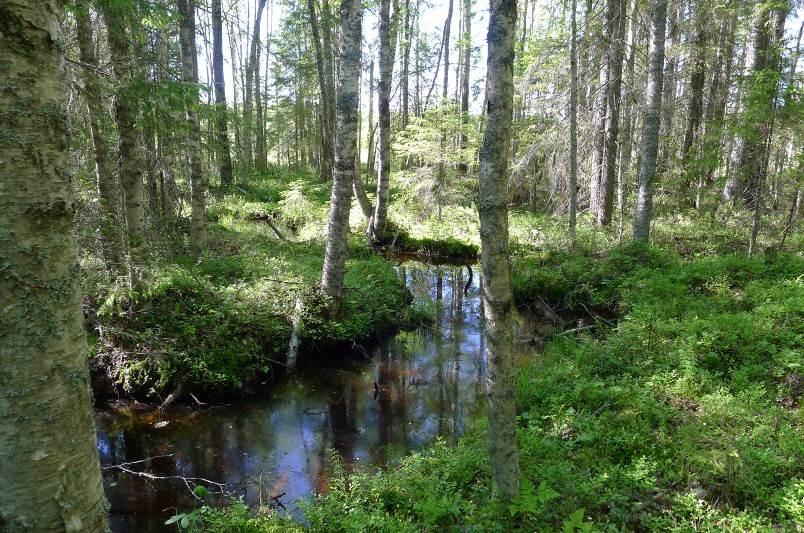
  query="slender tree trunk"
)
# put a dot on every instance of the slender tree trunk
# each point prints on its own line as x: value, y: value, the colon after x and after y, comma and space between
x: 130, y: 160
x: 493, y: 210
x: 695, y: 104
x: 167, y: 181
x: 327, y: 146
x: 760, y: 107
x: 718, y: 96
x: 351, y: 20
x: 253, y: 63
x: 384, y: 96
x: 105, y: 188
x: 405, y: 66
x: 650, y: 131
x: 370, y: 158
x: 669, y: 86
x: 50, y: 470
x: 626, y: 146
x: 573, y: 133
x: 606, y: 191
x: 602, y: 107
x: 224, y: 152
x: 189, y: 74
x: 466, y: 69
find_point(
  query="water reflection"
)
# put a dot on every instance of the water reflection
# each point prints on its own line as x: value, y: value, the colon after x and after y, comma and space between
x: 275, y: 448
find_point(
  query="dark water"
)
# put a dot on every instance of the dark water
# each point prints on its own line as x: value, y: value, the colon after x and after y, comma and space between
x: 274, y: 448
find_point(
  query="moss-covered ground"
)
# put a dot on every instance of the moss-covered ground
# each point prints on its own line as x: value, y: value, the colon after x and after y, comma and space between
x: 684, y: 414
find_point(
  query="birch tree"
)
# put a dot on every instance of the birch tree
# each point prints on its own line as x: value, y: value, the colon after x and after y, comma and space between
x: 493, y: 210
x: 384, y: 101
x: 50, y: 473
x: 224, y: 152
x: 189, y: 71
x: 650, y: 131
x: 348, y: 94
x: 130, y: 162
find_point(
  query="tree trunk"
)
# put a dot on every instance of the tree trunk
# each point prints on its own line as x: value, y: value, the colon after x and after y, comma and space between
x: 695, y: 104
x: 189, y: 74
x: 384, y: 97
x: 601, y: 108
x: 371, y: 157
x: 406, y: 66
x: 327, y: 147
x: 130, y: 160
x: 50, y: 470
x: 105, y: 188
x: 466, y: 68
x: 606, y: 190
x: 669, y: 85
x: 626, y: 146
x: 248, y: 104
x: 493, y: 210
x: 650, y: 131
x: 224, y: 153
x: 573, y: 133
x: 351, y: 18
x: 760, y: 105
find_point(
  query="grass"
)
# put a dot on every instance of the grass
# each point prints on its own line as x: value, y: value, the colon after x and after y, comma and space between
x: 684, y: 417
x: 217, y: 325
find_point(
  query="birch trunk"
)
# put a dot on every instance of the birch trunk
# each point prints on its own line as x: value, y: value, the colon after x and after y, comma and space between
x: 615, y: 58
x: 493, y: 211
x: 50, y: 471
x: 189, y: 72
x: 109, y: 235
x: 384, y: 100
x: 466, y: 68
x: 650, y: 131
x: 573, y: 177
x: 130, y: 160
x: 327, y: 147
x: 224, y: 152
x: 351, y: 20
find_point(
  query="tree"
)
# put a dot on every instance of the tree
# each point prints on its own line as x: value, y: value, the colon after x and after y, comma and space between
x: 351, y: 26
x: 650, y: 131
x: 466, y: 68
x: 573, y: 133
x: 384, y: 101
x: 189, y: 72
x: 224, y: 152
x: 110, y: 238
x: 51, y: 472
x: 252, y: 72
x: 615, y: 59
x: 493, y: 210
x: 130, y: 160
x: 325, y: 91
x: 761, y: 98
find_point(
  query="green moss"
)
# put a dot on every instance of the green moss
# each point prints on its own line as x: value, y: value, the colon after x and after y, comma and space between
x: 683, y: 417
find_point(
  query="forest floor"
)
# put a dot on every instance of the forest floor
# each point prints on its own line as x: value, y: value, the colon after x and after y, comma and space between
x: 219, y: 325
x: 679, y: 411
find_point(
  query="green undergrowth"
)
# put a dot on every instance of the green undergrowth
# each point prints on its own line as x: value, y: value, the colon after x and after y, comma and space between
x: 219, y: 324
x: 684, y: 417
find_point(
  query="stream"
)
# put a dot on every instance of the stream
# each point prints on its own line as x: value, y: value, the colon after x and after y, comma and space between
x: 273, y: 448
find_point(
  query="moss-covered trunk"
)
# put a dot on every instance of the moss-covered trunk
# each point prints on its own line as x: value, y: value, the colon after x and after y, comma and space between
x: 49, y: 467
x: 493, y: 209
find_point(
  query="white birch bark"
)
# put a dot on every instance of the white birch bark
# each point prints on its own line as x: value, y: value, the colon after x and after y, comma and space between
x: 493, y: 210
x: 49, y: 467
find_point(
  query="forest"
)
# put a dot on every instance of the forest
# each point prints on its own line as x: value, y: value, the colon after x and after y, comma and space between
x: 401, y: 265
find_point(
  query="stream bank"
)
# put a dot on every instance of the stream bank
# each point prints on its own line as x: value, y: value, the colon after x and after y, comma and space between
x: 274, y: 447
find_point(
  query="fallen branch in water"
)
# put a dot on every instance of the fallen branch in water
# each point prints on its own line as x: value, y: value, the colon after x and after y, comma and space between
x: 190, y: 482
